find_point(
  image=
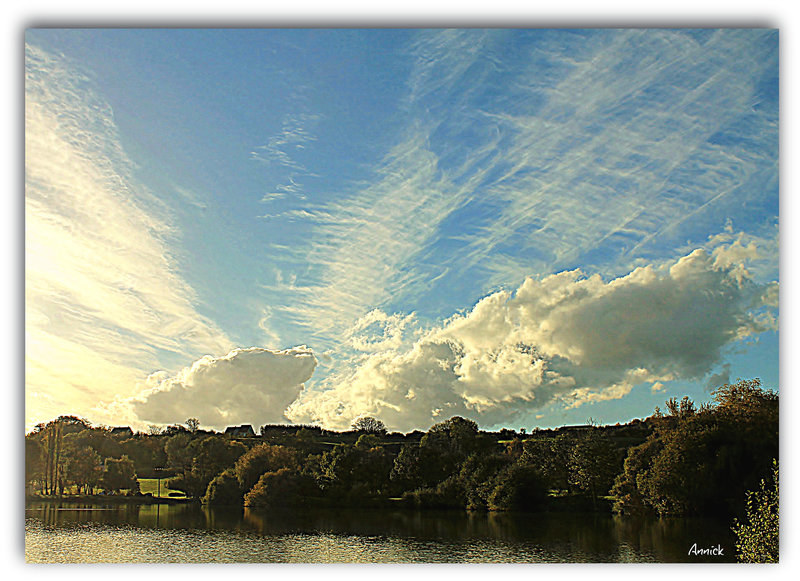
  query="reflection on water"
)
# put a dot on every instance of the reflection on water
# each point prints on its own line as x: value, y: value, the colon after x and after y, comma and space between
x: 190, y: 533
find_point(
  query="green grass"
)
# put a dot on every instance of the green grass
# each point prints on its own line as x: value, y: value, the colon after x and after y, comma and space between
x: 151, y: 485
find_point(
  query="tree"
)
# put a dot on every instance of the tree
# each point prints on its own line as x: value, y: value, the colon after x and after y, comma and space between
x: 207, y: 457
x: 120, y: 474
x: 758, y: 537
x: 102, y: 442
x: 174, y: 429
x: 82, y: 464
x: 52, y: 437
x: 224, y: 490
x: 75, y: 424
x: 354, y: 470
x: 283, y: 488
x: 193, y: 424
x: 422, y: 466
x: 477, y: 477
x: 681, y: 409
x: 518, y: 487
x: 630, y: 500
x: 178, y: 452
x: 439, y: 455
x: 593, y: 464
x: 261, y: 459
x: 34, y: 459
x: 550, y: 455
x: 369, y: 425
x: 458, y: 435
x: 702, y: 461
x: 211, y: 456
x: 147, y: 453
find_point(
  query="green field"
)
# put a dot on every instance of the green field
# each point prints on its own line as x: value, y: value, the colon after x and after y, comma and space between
x: 151, y: 485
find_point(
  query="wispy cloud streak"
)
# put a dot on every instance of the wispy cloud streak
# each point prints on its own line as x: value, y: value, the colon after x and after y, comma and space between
x: 360, y: 246
x: 529, y: 153
x: 105, y: 302
x: 640, y: 133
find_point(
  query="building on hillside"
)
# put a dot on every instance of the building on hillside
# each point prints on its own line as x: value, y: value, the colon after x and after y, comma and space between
x: 243, y: 431
x: 122, y: 432
x: 577, y: 428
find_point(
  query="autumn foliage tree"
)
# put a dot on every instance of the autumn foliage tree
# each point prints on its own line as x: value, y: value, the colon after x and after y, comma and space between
x: 261, y: 459
x: 284, y: 488
x: 224, y: 490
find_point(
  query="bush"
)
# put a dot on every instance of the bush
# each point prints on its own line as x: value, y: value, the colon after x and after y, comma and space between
x: 758, y: 538
x: 447, y: 494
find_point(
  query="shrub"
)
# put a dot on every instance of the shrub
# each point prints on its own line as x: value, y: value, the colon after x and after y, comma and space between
x: 758, y: 537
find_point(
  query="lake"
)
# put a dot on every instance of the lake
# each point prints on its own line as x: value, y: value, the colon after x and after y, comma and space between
x: 61, y: 532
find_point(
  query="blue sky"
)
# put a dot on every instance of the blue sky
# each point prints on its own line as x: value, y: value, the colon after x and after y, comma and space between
x: 525, y: 227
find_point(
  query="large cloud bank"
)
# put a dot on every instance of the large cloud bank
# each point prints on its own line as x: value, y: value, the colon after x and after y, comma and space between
x: 564, y: 337
x: 253, y: 385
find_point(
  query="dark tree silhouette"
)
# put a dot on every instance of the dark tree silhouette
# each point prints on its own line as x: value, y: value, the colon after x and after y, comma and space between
x: 369, y: 425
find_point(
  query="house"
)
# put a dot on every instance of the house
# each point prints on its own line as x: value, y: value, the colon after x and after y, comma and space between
x: 122, y: 432
x: 243, y: 431
x: 577, y: 428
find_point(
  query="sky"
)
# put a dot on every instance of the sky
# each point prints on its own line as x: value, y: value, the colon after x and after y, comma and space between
x: 528, y: 228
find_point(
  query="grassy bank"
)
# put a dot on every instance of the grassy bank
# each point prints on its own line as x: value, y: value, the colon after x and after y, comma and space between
x: 151, y: 486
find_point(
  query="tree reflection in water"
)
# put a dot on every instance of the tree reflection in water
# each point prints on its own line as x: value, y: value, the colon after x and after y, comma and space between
x: 330, y: 535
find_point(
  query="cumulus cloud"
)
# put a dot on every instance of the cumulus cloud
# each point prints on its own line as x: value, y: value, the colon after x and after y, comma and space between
x: 253, y: 385
x: 564, y: 337
x: 377, y: 331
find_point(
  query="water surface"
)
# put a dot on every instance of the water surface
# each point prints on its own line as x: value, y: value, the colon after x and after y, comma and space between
x: 188, y: 533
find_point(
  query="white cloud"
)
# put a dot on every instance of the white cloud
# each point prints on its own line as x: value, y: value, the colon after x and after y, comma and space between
x: 281, y: 149
x: 359, y: 247
x: 563, y: 337
x: 265, y: 323
x: 253, y: 386
x: 620, y: 139
x: 104, y: 299
x: 597, y: 149
x: 378, y: 331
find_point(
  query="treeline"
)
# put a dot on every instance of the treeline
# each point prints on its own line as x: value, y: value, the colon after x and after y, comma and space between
x: 683, y: 460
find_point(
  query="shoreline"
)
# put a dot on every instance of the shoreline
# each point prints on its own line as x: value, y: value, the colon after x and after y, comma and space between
x: 108, y: 499
x: 554, y: 505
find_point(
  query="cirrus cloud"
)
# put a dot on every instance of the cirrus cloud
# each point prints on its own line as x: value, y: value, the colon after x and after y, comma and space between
x: 105, y: 295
